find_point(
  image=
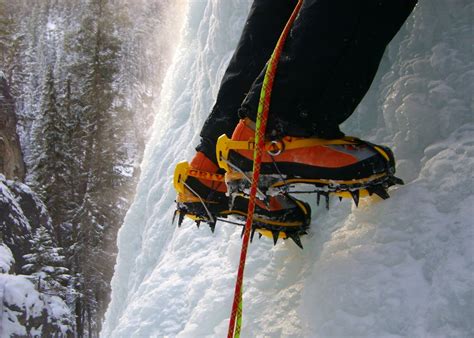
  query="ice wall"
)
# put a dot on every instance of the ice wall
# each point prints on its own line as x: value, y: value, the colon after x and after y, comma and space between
x: 401, y: 267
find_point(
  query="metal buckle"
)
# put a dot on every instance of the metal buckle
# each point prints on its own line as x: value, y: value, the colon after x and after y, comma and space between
x: 276, y: 148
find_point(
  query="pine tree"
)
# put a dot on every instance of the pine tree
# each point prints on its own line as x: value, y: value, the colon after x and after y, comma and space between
x: 97, y: 50
x: 46, y: 263
x: 10, y: 43
x: 6, y: 23
x: 91, y: 100
x: 51, y: 168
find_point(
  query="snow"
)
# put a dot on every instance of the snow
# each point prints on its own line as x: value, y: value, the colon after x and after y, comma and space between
x: 400, y: 267
x: 15, y: 212
x: 24, y: 310
x: 6, y: 258
x: 21, y: 302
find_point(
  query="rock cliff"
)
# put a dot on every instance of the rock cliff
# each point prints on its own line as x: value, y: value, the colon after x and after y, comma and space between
x: 11, y: 159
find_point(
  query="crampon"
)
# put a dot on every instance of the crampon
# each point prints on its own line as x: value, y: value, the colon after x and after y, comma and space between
x: 346, y: 167
x: 202, y: 198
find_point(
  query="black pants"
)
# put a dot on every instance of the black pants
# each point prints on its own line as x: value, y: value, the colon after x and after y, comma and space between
x: 328, y: 63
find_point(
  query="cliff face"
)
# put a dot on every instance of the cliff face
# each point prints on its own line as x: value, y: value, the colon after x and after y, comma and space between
x: 11, y: 159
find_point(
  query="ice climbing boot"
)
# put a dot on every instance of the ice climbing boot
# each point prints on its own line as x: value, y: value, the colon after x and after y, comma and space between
x: 347, y: 167
x: 201, y: 196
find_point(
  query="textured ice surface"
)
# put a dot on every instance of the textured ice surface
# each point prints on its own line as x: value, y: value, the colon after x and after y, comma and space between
x: 401, y: 267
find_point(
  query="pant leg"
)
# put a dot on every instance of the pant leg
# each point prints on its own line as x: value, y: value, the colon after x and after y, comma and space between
x: 328, y: 64
x: 260, y: 34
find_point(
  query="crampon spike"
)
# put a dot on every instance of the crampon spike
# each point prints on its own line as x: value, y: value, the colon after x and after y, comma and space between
x: 370, y: 191
x: 340, y: 198
x: 276, y: 235
x: 174, y: 216
x: 180, y: 218
x: 327, y: 200
x: 381, y: 192
x: 259, y: 235
x: 318, y: 198
x: 252, y: 234
x: 198, y: 223
x: 296, y: 238
x: 242, y: 233
x: 212, y: 225
x: 355, y: 196
x: 397, y: 180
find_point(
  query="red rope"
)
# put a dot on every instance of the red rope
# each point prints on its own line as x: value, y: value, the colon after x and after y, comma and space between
x: 262, y: 117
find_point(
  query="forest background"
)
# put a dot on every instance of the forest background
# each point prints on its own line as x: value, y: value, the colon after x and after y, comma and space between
x: 78, y: 80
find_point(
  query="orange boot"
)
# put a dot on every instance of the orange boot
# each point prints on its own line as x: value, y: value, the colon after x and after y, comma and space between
x: 202, y: 197
x: 348, y: 167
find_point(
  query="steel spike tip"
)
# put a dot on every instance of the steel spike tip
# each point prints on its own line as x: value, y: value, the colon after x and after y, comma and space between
x: 355, y: 196
x: 276, y: 235
x: 212, y: 225
x: 180, y: 218
x: 174, y: 216
x: 296, y: 238
x: 381, y: 192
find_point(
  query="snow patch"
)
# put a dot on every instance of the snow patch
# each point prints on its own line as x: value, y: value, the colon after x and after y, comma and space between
x: 6, y: 259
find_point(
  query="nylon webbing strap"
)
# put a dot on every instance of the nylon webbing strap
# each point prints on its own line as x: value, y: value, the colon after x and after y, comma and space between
x: 261, y: 124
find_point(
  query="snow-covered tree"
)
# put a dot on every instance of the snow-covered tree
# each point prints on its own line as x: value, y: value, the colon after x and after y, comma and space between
x: 46, y: 263
x: 84, y: 74
x: 97, y: 48
x: 10, y: 40
x: 51, y: 159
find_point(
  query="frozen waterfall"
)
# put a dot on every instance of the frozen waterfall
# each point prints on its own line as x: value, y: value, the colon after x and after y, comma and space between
x: 401, y: 267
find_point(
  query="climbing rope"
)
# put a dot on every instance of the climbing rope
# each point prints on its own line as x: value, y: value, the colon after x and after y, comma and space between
x: 235, y: 323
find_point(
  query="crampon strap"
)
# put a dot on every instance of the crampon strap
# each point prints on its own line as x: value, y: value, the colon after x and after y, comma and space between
x: 235, y: 322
